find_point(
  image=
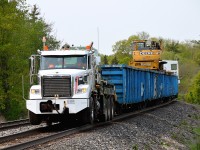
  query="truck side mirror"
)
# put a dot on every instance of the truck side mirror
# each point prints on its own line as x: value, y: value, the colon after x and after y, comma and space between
x: 34, y: 66
x: 85, y: 77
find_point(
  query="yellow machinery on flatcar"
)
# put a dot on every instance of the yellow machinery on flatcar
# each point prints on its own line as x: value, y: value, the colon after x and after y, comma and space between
x: 147, y: 55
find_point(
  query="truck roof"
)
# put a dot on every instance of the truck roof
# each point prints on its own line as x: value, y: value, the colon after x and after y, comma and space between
x: 65, y: 52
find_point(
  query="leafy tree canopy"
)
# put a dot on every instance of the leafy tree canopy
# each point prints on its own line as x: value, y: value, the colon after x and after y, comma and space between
x: 21, y: 32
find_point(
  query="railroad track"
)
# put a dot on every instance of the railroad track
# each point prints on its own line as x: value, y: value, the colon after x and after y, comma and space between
x: 12, y: 124
x: 6, y: 139
x: 47, y: 137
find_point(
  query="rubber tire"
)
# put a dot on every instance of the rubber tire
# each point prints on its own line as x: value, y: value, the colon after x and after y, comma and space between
x: 91, y: 111
x: 34, y: 118
x: 112, y: 108
x: 108, y: 109
x: 49, y: 122
x: 105, y: 110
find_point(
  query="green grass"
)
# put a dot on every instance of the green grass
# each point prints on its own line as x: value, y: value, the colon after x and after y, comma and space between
x: 196, y: 117
x: 135, y: 147
x: 196, y: 144
x: 197, y: 131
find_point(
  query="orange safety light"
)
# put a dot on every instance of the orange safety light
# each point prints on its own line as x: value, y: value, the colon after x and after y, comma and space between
x: 88, y: 47
x: 45, y: 48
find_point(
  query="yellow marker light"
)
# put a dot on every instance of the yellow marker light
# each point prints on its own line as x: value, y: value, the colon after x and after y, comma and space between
x: 32, y: 91
x: 81, y: 90
x: 35, y: 91
x: 84, y: 90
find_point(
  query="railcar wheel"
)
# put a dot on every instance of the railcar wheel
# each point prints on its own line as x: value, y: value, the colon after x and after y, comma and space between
x: 34, y: 118
x: 91, y: 111
x: 144, y: 104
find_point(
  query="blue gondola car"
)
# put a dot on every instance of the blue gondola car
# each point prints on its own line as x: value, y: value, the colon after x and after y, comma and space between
x: 139, y: 85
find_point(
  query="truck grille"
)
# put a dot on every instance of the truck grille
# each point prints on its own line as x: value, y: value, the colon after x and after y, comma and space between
x: 60, y: 85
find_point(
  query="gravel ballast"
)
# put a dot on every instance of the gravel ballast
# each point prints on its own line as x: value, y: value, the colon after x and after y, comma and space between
x: 170, y: 127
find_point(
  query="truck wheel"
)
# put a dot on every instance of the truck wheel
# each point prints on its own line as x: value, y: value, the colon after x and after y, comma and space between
x: 105, y: 109
x: 112, y: 110
x: 49, y: 122
x: 91, y: 111
x: 108, y: 109
x: 34, y: 118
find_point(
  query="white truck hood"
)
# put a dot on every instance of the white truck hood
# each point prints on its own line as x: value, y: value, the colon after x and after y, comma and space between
x: 61, y: 72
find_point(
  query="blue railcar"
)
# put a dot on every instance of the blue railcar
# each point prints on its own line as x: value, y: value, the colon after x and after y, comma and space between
x: 138, y: 85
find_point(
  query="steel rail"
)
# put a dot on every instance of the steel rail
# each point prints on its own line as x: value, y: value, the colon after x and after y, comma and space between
x: 83, y: 128
x: 19, y: 135
x: 49, y: 138
x: 12, y: 124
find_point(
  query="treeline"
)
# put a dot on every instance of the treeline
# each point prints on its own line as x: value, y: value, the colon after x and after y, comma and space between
x: 21, y: 32
x: 187, y: 53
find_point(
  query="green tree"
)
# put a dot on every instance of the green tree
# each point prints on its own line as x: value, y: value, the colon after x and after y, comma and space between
x: 196, y: 42
x: 172, y: 45
x: 34, y: 15
x: 20, y: 36
x: 143, y: 35
x: 123, y: 49
x: 196, y: 51
x: 7, y: 14
x: 114, y: 61
x: 105, y: 60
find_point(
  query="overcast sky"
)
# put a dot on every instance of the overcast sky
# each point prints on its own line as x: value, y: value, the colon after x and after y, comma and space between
x: 78, y: 21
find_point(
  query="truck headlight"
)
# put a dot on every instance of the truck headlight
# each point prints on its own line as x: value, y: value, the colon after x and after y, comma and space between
x: 35, y: 91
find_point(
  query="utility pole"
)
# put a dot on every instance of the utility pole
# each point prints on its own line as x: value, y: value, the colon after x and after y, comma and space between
x: 98, y: 37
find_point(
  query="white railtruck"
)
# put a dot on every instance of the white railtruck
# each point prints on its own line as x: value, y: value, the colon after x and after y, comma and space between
x: 67, y: 87
x: 173, y: 67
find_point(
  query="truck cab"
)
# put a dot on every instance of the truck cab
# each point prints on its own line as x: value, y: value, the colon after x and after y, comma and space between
x: 63, y: 84
x: 172, y: 67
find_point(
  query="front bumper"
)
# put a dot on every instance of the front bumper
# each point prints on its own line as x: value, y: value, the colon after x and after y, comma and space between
x: 57, y: 106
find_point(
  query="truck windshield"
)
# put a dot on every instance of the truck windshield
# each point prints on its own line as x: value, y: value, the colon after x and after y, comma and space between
x: 64, y: 62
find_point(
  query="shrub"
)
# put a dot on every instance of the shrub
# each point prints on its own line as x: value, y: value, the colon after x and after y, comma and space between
x: 193, y: 95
